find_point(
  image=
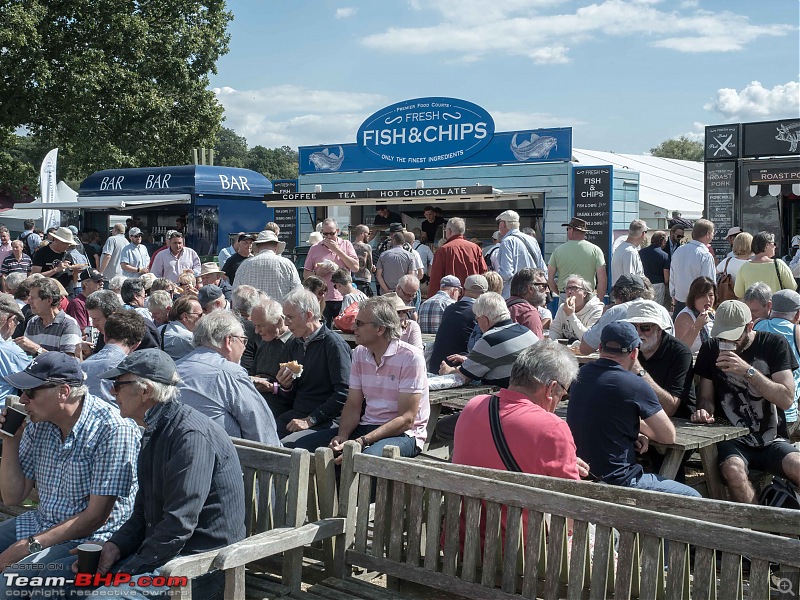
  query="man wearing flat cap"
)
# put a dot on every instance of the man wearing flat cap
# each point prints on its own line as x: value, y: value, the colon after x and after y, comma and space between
x: 746, y: 378
x: 517, y: 250
x: 613, y: 413
x: 81, y: 455
x: 577, y: 256
x: 191, y: 492
x: 212, y: 298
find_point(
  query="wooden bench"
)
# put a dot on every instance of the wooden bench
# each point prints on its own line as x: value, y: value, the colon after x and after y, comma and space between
x: 276, y: 519
x: 416, y: 501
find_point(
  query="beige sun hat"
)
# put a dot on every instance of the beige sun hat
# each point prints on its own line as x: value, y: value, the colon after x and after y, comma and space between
x: 64, y: 234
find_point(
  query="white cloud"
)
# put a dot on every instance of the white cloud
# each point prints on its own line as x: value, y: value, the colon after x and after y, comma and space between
x: 296, y: 116
x: 536, y: 29
x: 344, y: 13
x: 755, y: 102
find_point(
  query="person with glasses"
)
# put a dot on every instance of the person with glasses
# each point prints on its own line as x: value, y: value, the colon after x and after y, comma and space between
x: 577, y: 256
x: 764, y: 267
x: 525, y: 293
x: 625, y: 260
x: 613, y: 413
x: 324, y: 259
x: 81, y: 455
x: 318, y: 393
x: 135, y: 258
x: 677, y: 233
x: 177, y: 334
x: 540, y: 442
x: 387, y: 401
x: 580, y: 310
x: 12, y: 358
x: 215, y: 384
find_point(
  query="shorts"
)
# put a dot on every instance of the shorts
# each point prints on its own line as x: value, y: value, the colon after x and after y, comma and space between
x: 768, y: 458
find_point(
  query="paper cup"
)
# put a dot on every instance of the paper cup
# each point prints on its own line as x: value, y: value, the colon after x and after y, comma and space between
x: 88, y: 557
x: 15, y: 415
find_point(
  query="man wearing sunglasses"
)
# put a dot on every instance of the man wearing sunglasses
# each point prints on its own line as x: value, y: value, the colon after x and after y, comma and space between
x: 80, y: 453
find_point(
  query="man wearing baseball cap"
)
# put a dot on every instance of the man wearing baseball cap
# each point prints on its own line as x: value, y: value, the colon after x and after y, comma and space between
x: 746, y: 378
x: 135, y: 258
x: 731, y: 236
x: 244, y: 247
x: 613, y: 413
x: 431, y: 311
x: 80, y: 453
x: 517, y: 250
x: 577, y: 257
x: 191, y: 496
x: 91, y: 281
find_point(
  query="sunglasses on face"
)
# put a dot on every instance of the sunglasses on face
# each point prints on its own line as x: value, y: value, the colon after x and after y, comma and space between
x: 31, y: 393
x: 116, y: 385
x: 643, y: 327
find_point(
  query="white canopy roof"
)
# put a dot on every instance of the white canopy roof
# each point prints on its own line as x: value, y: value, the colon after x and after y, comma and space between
x: 665, y: 183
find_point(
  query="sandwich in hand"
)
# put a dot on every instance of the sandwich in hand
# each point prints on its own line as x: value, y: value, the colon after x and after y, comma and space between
x: 295, y: 367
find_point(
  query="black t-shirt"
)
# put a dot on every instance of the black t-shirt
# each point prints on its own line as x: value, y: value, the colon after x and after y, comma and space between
x: 671, y: 368
x: 232, y: 265
x: 392, y: 218
x: 605, y: 405
x: 654, y: 262
x: 737, y: 401
x: 430, y: 228
x: 45, y: 257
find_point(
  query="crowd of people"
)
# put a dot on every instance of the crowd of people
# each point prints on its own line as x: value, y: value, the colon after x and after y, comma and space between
x: 136, y: 368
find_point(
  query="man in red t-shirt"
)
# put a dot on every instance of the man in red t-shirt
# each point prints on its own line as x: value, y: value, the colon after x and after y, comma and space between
x: 457, y: 256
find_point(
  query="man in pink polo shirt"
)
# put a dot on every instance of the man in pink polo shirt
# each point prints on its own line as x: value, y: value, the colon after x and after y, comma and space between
x: 324, y: 259
x: 390, y: 377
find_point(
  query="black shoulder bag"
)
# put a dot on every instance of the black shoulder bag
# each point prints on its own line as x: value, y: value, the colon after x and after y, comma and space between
x: 497, y: 435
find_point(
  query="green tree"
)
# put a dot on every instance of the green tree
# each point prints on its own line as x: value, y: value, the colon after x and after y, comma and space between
x: 230, y: 149
x: 18, y: 176
x: 273, y: 163
x: 682, y: 149
x: 111, y: 83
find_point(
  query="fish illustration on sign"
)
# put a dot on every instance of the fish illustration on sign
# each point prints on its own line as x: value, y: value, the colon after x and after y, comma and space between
x: 785, y: 134
x: 536, y: 147
x: 326, y: 160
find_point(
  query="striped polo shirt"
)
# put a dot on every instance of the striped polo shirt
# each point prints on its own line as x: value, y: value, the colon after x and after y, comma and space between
x: 494, y: 353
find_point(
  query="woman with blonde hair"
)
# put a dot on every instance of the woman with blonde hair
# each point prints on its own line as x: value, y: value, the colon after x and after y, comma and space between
x: 764, y: 267
x: 495, y: 281
x: 742, y: 251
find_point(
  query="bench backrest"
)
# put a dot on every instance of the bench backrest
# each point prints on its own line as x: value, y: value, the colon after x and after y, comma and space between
x: 416, y: 536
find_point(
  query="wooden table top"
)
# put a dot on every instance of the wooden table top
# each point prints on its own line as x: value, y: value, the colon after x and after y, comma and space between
x: 458, y: 397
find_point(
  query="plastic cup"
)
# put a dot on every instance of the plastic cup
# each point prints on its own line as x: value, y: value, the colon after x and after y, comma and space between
x: 88, y: 557
x: 15, y: 415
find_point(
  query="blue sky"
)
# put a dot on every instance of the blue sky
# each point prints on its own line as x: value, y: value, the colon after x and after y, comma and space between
x: 624, y: 74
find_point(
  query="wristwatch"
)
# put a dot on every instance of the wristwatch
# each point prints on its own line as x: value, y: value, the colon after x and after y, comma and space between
x: 641, y: 373
x: 311, y: 420
x: 39, y: 351
x: 33, y: 545
x: 750, y: 373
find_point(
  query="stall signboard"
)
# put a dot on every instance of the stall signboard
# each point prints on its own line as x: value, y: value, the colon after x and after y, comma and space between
x: 722, y: 142
x: 774, y: 176
x: 435, y: 192
x: 424, y: 133
x: 592, y: 202
x: 286, y: 218
x: 771, y: 138
x: 720, y: 189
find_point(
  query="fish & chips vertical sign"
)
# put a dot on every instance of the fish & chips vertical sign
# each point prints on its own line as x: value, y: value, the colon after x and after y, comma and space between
x: 424, y: 133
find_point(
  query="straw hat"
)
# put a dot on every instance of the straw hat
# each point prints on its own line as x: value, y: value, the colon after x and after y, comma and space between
x: 63, y: 234
x: 397, y: 301
x: 315, y: 237
x: 209, y: 268
x: 267, y: 236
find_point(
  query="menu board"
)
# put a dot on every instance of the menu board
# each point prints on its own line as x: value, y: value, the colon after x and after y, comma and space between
x: 592, y: 196
x: 720, y: 188
x: 286, y: 218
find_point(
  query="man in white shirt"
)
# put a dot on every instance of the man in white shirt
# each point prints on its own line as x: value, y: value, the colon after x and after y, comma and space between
x: 134, y: 258
x: 691, y: 261
x: 517, y: 250
x: 112, y: 252
x: 626, y: 259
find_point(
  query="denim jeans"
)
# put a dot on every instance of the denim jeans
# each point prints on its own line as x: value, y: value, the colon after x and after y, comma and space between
x: 321, y: 439
x: 654, y: 483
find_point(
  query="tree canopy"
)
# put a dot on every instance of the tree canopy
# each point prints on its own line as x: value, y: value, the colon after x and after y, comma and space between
x: 113, y: 84
x: 231, y: 150
x: 681, y: 148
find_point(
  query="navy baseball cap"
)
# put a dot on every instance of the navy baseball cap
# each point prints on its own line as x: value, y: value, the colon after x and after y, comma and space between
x: 50, y: 367
x: 619, y: 336
x: 208, y: 294
x: 150, y: 363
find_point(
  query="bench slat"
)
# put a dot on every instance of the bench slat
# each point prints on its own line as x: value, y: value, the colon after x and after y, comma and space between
x: 678, y: 575
x: 625, y: 560
x: 433, y: 527
x: 362, y: 515
x: 600, y: 562
x: 382, y: 513
x: 491, y: 544
x: 533, y: 554
x: 730, y: 577
x: 555, y: 546
x: 577, y: 563
x: 414, y: 518
x: 508, y: 582
x: 397, y: 526
x: 652, y: 564
x: 759, y: 580
x: 452, y: 516
x: 472, y: 538
x: 279, y: 509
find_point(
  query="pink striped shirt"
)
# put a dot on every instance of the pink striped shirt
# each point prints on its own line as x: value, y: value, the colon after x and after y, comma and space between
x: 402, y: 371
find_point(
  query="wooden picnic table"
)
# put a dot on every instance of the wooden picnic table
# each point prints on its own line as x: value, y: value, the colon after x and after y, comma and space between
x: 453, y: 398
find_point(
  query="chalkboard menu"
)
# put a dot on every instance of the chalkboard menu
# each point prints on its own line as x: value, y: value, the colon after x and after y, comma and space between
x: 771, y: 138
x: 720, y: 187
x: 591, y: 187
x: 722, y: 142
x: 286, y: 218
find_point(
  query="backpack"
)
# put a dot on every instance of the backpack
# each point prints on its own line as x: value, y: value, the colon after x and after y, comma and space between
x: 725, y: 285
x: 780, y: 494
x: 347, y: 320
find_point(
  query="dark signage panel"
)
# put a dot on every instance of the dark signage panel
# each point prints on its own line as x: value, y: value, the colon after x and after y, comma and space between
x: 774, y: 176
x: 591, y: 188
x: 722, y: 142
x: 771, y: 138
x: 286, y: 218
x: 438, y: 192
x: 720, y: 188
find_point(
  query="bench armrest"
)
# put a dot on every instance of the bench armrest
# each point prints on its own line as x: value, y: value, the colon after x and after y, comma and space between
x: 276, y: 541
x: 190, y: 566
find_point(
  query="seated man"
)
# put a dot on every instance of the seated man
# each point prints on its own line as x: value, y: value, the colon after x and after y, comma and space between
x: 746, y: 378
x: 51, y: 329
x: 211, y: 274
x: 613, y: 414
x: 319, y: 392
x: 665, y: 362
x: 394, y: 414
x: 526, y: 292
x: 432, y: 310
x: 267, y: 319
x: 81, y: 455
x: 215, y: 384
x: 178, y: 334
x: 12, y: 357
x: 191, y: 494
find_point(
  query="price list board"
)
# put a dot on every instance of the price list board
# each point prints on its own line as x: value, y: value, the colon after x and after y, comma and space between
x: 720, y: 188
x: 286, y: 218
x: 592, y: 198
